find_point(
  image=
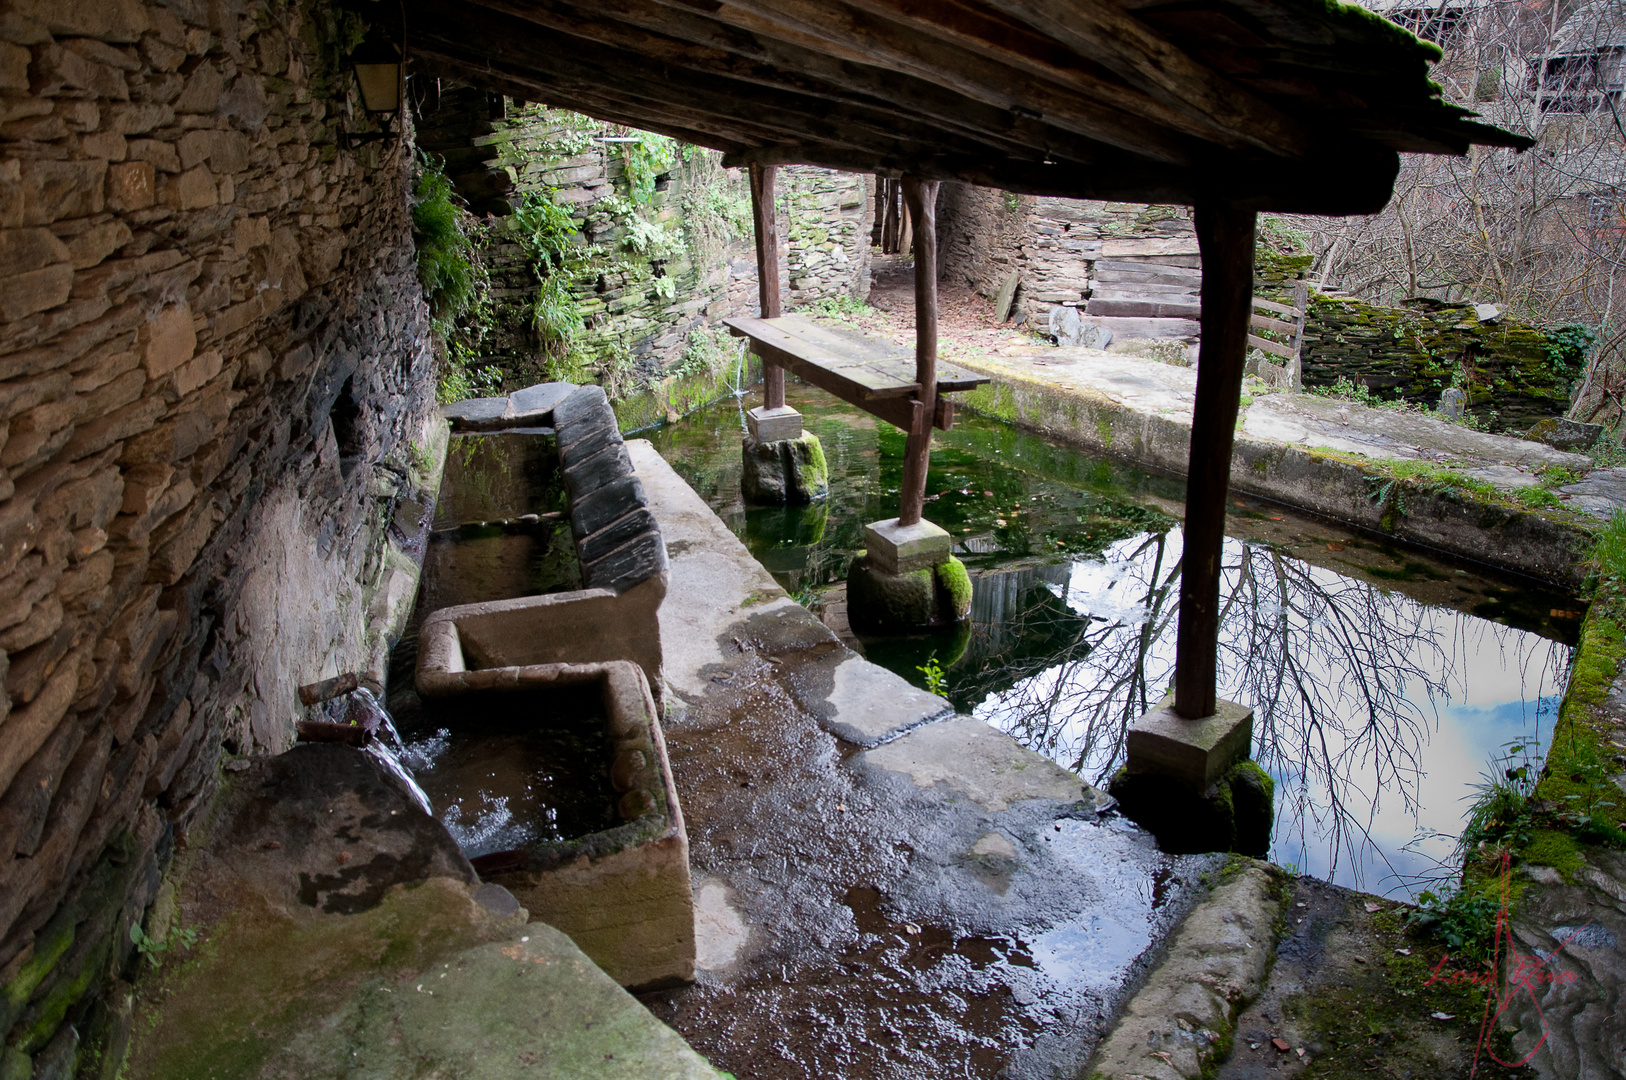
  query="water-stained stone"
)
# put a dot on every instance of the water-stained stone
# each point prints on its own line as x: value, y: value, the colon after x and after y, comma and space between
x: 583, y: 476
x: 433, y: 975
x: 535, y: 404
x: 475, y: 413
x: 609, y: 503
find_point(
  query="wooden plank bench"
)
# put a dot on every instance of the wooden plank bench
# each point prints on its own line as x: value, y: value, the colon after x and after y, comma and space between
x: 873, y: 375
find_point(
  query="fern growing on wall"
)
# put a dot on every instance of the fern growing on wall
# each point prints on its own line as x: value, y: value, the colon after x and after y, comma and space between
x: 446, y: 259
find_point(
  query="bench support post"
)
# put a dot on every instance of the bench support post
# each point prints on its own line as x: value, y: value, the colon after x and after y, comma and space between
x: 767, y: 236
x: 921, y: 195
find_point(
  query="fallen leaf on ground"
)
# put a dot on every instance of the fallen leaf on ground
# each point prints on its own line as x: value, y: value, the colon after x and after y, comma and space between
x: 1372, y: 905
x: 1335, y: 547
x: 1443, y: 1015
x: 1403, y: 952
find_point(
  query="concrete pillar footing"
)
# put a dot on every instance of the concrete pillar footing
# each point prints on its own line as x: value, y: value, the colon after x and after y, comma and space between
x: 903, y: 549
x: 773, y: 425
x: 1194, y: 752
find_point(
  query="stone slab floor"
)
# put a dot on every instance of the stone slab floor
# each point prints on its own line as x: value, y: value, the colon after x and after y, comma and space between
x: 884, y: 889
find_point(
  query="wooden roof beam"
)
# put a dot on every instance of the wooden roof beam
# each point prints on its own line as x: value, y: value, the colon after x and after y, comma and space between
x: 488, y: 38
x: 1108, y: 112
x: 1122, y: 43
x: 1019, y: 47
x: 698, y: 44
x: 439, y: 64
x: 700, y: 129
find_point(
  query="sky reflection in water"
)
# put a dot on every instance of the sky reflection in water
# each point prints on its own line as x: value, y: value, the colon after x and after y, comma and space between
x: 1376, y: 711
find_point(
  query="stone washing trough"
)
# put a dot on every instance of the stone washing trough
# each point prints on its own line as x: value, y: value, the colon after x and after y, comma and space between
x: 621, y: 893
x: 618, y: 546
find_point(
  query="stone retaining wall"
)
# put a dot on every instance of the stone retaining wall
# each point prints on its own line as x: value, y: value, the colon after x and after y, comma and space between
x: 646, y: 278
x: 984, y: 234
x: 1513, y: 374
x: 216, y: 387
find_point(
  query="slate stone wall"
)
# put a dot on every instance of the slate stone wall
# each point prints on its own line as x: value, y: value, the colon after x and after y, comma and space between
x: 645, y: 278
x: 984, y: 234
x: 1513, y: 374
x: 215, y: 393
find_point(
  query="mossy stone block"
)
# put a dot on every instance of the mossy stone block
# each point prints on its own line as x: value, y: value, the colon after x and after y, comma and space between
x: 883, y: 602
x: 786, y: 471
x: 955, y: 585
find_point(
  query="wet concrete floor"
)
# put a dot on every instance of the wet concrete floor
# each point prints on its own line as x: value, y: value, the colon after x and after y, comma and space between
x: 883, y: 889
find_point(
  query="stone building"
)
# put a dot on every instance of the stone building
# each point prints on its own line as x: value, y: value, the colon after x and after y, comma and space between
x: 217, y: 392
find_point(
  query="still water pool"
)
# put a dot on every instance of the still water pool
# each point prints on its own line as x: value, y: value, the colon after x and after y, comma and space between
x: 1385, y: 682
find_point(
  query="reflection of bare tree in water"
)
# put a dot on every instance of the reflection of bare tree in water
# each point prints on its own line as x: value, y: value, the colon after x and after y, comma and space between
x: 1346, y: 679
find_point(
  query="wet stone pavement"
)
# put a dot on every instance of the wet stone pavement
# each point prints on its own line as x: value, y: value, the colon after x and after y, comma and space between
x: 945, y: 904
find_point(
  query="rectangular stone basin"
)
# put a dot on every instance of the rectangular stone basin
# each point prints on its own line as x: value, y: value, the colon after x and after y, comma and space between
x: 577, y: 627
x: 622, y: 893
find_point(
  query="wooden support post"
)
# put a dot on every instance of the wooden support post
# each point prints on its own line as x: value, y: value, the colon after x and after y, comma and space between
x: 921, y: 196
x: 1225, y: 238
x: 767, y: 230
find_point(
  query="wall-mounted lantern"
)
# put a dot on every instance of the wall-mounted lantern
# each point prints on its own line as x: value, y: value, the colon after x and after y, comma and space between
x: 378, y: 72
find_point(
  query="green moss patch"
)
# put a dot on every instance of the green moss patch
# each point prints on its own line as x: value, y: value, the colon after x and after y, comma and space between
x: 956, y: 585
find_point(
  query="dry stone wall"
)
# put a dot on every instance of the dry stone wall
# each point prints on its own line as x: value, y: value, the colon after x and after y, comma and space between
x: 644, y: 277
x: 215, y: 400
x: 1513, y: 374
x: 825, y: 246
x: 1052, y: 243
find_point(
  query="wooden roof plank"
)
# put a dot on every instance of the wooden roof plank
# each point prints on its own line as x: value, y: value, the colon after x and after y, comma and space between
x: 1144, y: 58
x: 984, y: 91
x: 1017, y: 47
x: 680, y: 37
x: 1094, y: 108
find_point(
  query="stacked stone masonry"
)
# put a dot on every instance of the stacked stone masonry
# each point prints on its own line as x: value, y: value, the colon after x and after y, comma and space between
x: 1051, y: 243
x: 644, y: 278
x: 215, y: 379
x: 1513, y: 373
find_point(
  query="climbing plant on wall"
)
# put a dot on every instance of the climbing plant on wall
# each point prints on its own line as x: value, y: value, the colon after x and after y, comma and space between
x: 643, y: 159
x: 454, y: 279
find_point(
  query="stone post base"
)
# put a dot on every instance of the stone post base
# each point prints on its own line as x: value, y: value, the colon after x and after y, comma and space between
x: 906, y: 580
x: 1191, y: 784
x: 773, y: 425
x: 1194, y: 752
x: 784, y: 470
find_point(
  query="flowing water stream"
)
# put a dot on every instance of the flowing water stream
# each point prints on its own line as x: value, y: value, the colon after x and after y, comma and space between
x: 1385, y: 681
x: 525, y: 768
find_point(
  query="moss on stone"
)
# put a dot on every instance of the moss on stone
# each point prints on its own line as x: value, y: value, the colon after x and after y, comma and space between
x: 1581, y: 760
x: 811, y: 470
x: 1559, y: 850
x: 260, y: 975
x: 956, y: 585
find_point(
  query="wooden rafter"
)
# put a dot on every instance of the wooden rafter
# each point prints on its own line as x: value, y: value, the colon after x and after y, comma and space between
x: 1271, y: 104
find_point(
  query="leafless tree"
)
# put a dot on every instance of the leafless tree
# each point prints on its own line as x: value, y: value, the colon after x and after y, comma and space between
x: 1541, y: 232
x: 1346, y: 679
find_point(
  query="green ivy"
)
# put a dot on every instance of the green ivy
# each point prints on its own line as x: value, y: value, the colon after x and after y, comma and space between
x: 1567, y: 347
x: 446, y: 259
x: 644, y: 160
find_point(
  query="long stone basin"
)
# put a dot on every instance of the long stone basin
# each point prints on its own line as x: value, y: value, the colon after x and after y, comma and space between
x: 622, y: 894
